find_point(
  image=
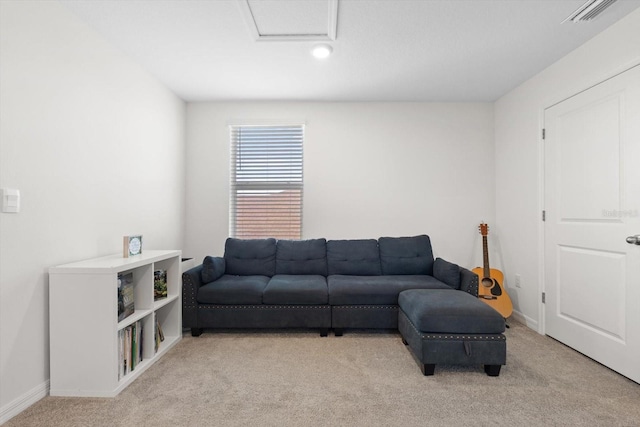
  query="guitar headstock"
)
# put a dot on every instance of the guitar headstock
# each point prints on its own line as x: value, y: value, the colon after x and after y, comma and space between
x: 484, y: 229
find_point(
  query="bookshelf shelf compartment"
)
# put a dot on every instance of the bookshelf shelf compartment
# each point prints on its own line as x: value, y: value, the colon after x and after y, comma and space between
x: 85, y: 349
x: 137, y: 315
x: 162, y: 302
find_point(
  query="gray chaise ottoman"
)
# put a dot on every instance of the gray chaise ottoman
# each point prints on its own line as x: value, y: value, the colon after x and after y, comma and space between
x: 453, y: 328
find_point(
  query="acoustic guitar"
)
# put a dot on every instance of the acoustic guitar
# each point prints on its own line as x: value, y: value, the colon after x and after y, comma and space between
x: 490, y: 280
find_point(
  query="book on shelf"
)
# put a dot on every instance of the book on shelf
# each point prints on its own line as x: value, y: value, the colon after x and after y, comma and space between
x: 126, y: 303
x: 159, y: 335
x: 127, y: 350
x: 134, y: 346
x: 159, y: 284
x: 121, y: 364
x: 140, y: 341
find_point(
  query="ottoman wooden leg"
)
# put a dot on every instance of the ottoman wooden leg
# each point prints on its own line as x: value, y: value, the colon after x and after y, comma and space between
x: 492, y: 370
x: 428, y: 369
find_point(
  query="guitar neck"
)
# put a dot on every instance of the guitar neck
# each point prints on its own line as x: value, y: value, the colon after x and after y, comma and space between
x: 485, y: 257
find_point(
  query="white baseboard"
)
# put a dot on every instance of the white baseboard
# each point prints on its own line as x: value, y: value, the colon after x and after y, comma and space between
x: 529, y: 322
x: 23, y: 402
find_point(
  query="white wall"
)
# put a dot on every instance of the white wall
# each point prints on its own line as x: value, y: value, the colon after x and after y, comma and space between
x: 519, y: 118
x: 370, y: 170
x: 96, y: 147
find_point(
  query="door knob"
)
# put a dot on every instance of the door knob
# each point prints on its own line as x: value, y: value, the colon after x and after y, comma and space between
x: 634, y: 240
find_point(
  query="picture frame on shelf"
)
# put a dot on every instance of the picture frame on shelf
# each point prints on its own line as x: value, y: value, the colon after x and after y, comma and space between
x: 132, y: 245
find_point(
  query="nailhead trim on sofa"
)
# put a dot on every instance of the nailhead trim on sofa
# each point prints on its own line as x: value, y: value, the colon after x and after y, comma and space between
x: 473, y: 288
x: 493, y: 337
x: 188, y: 293
x: 264, y: 307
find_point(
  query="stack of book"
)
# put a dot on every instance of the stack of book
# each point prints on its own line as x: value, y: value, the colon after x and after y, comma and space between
x: 130, y: 348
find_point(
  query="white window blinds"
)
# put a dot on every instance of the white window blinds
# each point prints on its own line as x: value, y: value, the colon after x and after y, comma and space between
x: 266, y: 182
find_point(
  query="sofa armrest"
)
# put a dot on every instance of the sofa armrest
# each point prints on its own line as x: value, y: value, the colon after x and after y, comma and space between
x: 447, y: 272
x: 191, y: 281
x: 468, y: 281
x: 213, y: 268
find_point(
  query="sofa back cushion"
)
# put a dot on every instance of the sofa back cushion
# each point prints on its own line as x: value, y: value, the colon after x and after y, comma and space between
x: 302, y: 257
x: 250, y: 257
x: 406, y: 255
x: 353, y: 257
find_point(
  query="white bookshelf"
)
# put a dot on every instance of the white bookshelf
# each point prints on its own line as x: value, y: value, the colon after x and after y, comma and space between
x: 84, y: 326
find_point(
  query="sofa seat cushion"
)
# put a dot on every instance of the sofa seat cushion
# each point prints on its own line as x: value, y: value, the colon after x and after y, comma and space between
x: 296, y: 289
x: 449, y: 311
x: 363, y: 290
x: 233, y: 290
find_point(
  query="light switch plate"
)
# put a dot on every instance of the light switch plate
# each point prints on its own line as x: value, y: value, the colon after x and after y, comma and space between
x: 10, y: 200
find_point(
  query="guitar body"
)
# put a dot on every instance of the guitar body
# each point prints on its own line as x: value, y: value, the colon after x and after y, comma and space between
x: 490, y: 281
x: 491, y: 291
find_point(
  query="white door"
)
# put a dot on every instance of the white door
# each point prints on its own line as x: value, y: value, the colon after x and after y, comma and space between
x: 592, y: 203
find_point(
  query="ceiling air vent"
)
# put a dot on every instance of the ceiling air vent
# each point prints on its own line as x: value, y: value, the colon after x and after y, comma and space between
x: 589, y: 10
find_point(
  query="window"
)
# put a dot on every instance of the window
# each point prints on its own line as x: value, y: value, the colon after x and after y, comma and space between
x: 266, y: 182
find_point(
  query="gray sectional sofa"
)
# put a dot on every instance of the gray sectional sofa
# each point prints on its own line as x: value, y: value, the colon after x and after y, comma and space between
x: 320, y: 284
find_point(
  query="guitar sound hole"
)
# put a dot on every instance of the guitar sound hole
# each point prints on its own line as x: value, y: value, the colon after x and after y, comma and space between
x: 493, y: 285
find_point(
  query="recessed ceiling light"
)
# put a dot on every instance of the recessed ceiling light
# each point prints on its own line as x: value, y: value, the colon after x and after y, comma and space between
x: 322, y: 51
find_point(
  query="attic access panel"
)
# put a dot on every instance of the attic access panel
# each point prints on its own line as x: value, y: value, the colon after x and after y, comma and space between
x: 282, y: 20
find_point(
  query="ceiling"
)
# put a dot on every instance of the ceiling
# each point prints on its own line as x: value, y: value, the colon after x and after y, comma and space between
x: 383, y: 50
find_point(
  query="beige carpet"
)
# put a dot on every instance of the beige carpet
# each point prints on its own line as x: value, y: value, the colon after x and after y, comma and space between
x: 360, y: 379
